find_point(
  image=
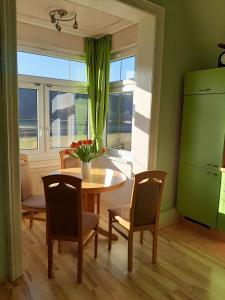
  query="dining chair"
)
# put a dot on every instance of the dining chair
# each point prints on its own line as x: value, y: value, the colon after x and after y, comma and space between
x: 30, y: 203
x: 66, y: 220
x: 142, y: 213
x: 67, y: 161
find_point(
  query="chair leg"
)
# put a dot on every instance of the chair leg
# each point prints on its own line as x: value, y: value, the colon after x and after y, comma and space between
x: 154, y: 247
x: 110, y: 232
x: 96, y: 243
x: 141, y: 236
x: 31, y: 220
x: 98, y: 204
x: 80, y: 262
x: 130, y: 251
x: 59, y: 246
x: 50, y: 258
x: 46, y: 235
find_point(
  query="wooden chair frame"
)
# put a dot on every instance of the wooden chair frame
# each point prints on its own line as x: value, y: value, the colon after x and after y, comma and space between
x: 75, y: 182
x: 30, y: 211
x: 152, y: 176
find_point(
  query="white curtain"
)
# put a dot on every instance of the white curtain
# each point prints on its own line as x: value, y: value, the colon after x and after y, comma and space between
x: 10, y: 239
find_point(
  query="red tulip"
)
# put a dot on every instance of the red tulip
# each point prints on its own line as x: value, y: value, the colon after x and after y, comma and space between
x: 103, y: 150
x: 89, y: 142
x: 73, y: 145
x: 79, y: 143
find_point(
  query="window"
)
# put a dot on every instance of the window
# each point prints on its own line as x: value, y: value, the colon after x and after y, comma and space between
x: 68, y: 117
x: 123, y: 69
x: 28, y: 119
x: 53, y: 103
x: 119, y: 120
x: 120, y: 108
x: 50, y: 67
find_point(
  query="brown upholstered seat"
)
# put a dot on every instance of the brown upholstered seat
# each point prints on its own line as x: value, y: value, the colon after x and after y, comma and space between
x: 65, y: 217
x: 143, y: 212
x: 35, y: 201
x: 30, y: 202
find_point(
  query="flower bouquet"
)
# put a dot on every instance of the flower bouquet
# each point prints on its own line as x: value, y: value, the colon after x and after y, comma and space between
x: 86, y: 151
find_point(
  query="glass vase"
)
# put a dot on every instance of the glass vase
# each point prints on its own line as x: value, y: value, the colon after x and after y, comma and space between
x: 85, y: 169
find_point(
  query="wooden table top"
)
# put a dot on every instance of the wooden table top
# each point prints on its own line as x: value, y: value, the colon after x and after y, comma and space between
x: 100, y: 180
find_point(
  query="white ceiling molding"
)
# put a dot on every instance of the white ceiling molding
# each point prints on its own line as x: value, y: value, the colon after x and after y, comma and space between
x: 92, y: 22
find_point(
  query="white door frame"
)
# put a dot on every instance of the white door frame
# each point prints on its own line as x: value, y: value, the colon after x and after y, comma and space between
x: 159, y: 13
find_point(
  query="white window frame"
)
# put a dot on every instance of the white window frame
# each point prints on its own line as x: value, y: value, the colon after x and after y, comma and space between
x: 46, y: 84
x: 40, y: 116
x: 65, y: 89
x: 43, y: 85
x: 122, y: 86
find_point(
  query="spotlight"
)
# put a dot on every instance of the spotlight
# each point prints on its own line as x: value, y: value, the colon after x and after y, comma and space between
x: 52, y: 19
x: 57, y: 16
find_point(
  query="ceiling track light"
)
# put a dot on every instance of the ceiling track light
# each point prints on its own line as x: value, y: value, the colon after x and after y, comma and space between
x: 57, y: 15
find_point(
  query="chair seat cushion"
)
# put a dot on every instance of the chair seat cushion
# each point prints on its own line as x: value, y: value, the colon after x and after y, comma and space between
x: 90, y: 221
x: 35, y: 201
x: 121, y: 215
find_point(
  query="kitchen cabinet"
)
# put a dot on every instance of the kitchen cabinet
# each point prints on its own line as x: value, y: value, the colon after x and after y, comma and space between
x: 221, y: 212
x: 203, y: 130
x: 200, y: 187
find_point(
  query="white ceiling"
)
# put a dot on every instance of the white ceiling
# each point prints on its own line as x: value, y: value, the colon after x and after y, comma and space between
x: 91, y: 22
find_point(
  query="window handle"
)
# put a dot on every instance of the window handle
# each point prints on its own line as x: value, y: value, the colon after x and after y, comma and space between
x: 40, y: 131
x: 202, y: 90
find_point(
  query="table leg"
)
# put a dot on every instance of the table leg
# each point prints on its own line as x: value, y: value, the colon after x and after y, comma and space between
x: 89, y: 206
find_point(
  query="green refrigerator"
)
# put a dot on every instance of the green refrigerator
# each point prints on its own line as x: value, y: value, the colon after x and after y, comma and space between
x: 202, y: 146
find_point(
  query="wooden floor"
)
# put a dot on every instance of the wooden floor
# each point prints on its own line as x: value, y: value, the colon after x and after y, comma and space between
x: 187, y: 268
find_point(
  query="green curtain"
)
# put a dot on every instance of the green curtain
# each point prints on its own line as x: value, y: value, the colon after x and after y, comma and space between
x: 98, y: 62
x: 10, y: 205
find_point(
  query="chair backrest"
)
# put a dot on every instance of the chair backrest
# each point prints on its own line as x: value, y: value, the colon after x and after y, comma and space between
x: 63, y: 206
x: 146, y: 198
x: 67, y: 161
x: 25, y: 177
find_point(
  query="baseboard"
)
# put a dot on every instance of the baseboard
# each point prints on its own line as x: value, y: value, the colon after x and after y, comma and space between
x: 168, y: 217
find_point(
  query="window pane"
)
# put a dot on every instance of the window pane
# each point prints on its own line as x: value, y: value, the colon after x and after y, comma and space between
x: 128, y: 67
x: 44, y: 66
x: 119, y: 120
x: 78, y: 71
x: 115, y: 68
x: 28, y: 119
x: 68, y: 118
x: 50, y: 67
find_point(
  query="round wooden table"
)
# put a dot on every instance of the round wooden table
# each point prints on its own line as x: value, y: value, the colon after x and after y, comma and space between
x: 100, y: 180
